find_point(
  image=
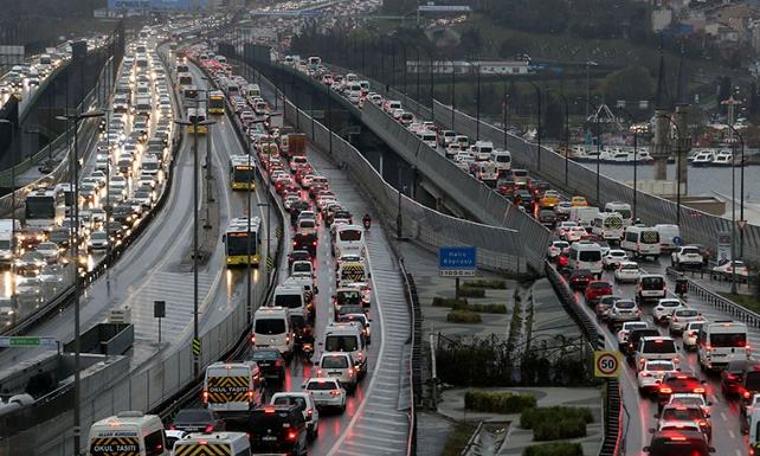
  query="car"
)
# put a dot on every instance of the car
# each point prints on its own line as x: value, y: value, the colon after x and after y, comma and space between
x: 625, y: 331
x: 580, y: 278
x: 688, y: 256
x: 679, y: 382
x: 596, y: 289
x: 634, y: 336
x: 731, y: 378
x: 626, y: 272
x: 603, y: 306
x: 624, y: 310
x: 273, y: 429
x: 726, y: 269
x: 683, y: 316
x: 690, y: 335
x: 678, y: 442
x: 688, y: 413
x: 271, y: 363
x: 363, y: 320
x: 197, y: 420
x: 341, y: 367
x: 306, y: 403
x: 651, y: 374
x: 665, y: 308
x: 749, y: 383
x: 650, y: 287
x: 578, y: 201
x: 562, y: 228
x: 299, y: 255
x: 563, y: 210
x: 556, y: 248
x: 698, y: 399
x: 49, y: 250
x: 575, y: 234
x: 327, y: 392
x: 613, y: 258
x: 98, y: 241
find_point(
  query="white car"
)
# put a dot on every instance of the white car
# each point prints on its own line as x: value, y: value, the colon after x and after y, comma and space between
x: 651, y: 375
x: 726, y: 270
x: 613, y: 258
x: 310, y: 412
x: 697, y: 399
x: 98, y: 241
x: 625, y: 330
x: 326, y: 392
x: 557, y: 248
x: 690, y: 335
x: 687, y: 257
x: 679, y: 426
x: 575, y: 234
x: 563, y: 227
x: 627, y: 271
x: 341, y: 367
x: 665, y: 308
x: 682, y: 317
x: 624, y: 310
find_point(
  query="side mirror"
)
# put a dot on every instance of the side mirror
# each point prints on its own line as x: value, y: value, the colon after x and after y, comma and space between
x: 651, y: 430
x: 645, y: 449
x: 712, y: 450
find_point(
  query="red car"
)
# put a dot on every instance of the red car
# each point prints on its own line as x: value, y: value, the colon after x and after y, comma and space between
x: 678, y: 382
x: 596, y: 289
x: 580, y: 278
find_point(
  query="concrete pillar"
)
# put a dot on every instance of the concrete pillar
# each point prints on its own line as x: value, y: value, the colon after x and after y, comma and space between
x: 684, y: 147
x: 661, y: 145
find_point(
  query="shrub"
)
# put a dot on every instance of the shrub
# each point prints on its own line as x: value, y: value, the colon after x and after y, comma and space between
x: 462, y: 316
x: 487, y: 283
x: 487, y: 308
x: 469, y: 292
x: 448, y: 302
x: 498, y: 401
x: 554, y: 423
x: 554, y: 449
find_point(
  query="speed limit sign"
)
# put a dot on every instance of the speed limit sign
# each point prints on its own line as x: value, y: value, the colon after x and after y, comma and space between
x: 606, y: 364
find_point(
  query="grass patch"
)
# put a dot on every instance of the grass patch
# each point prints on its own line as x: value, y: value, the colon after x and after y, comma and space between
x: 746, y: 301
x: 448, y: 302
x: 463, y: 316
x: 554, y: 449
x: 498, y: 401
x: 458, y: 438
x: 483, y: 308
x: 555, y: 423
x: 471, y: 292
x: 494, y: 284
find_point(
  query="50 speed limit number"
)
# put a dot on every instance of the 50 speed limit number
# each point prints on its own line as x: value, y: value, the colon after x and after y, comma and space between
x: 606, y: 364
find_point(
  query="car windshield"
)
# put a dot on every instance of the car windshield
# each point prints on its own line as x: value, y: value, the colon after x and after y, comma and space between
x: 321, y: 386
x: 728, y: 340
x: 334, y: 362
x: 265, y: 355
x: 682, y: 414
x: 625, y: 304
x: 288, y: 400
x: 659, y: 346
x: 687, y: 313
x: 350, y: 235
x: 632, y: 267
x: 659, y: 366
x: 302, y: 267
x: 335, y: 343
x: 288, y: 301
x: 270, y: 326
x: 600, y: 285
x: 670, y: 303
x: 652, y: 283
x: 193, y: 416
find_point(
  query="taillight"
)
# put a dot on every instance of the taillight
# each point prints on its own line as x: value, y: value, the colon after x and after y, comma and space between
x: 253, y: 338
x: 310, y: 412
x: 209, y: 428
x: 204, y: 397
x: 292, y: 435
x: 172, y: 427
x: 665, y: 390
x: 334, y: 393
x: 699, y: 390
x: 250, y: 395
x: 746, y: 394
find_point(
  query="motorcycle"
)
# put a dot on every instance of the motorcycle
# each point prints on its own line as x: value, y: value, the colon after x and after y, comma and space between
x: 367, y: 224
x: 307, y: 350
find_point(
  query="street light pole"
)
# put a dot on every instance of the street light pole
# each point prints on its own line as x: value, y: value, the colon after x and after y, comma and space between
x: 635, y: 130
x: 477, y: 103
x: 733, y: 205
x: 678, y: 164
x: 453, y: 93
x: 538, y: 121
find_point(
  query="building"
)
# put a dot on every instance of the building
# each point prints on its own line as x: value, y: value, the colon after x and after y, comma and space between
x: 486, y: 67
x: 153, y: 5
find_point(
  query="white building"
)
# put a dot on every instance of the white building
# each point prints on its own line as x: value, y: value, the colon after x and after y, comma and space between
x: 486, y: 67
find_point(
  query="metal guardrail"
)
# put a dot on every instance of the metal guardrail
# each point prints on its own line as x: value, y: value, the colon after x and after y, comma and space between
x: 415, y: 361
x: 613, y: 405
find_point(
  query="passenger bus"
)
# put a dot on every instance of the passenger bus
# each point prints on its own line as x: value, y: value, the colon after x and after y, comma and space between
x: 216, y: 102
x: 242, y: 172
x: 241, y: 246
x: 44, y: 209
x: 199, y: 115
x: 190, y: 92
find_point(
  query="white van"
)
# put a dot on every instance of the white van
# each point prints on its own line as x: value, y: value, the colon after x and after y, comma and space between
x: 641, y: 241
x: 291, y: 297
x: 583, y: 215
x: 483, y: 150
x: 608, y: 225
x: 429, y: 138
x: 586, y: 255
x: 668, y: 233
x: 624, y: 209
x: 128, y: 433
x: 232, y: 387
x: 487, y: 172
x: 271, y: 328
x: 721, y: 342
x: 354, y: 92
x: 503, y: 160
x: 349, y: 239
x: 347, y: 338
x: 226, y: 443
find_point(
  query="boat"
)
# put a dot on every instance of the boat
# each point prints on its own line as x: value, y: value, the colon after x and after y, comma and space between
x: 723, y: 158
x: 703, y: 158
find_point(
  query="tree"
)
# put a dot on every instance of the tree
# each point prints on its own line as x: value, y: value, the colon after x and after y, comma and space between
x: 724, y: 92
x: 630, y: 83
x: 471, y: 42
x: 553, y: 117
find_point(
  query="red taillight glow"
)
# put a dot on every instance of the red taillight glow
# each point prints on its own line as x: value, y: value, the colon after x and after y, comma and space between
x: 665, y: 390
x: 209, y: 428
x: 292, y: 435
x: 204, y: 397
x: 699, y: 390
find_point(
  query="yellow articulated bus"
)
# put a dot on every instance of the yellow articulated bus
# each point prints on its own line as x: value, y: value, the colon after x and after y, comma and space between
x: 216, y: 102
x: 198, y: 114
x: 242, y: 173
x: 241, y: 246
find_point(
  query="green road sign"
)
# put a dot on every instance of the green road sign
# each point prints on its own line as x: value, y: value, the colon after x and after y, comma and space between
x: 27, y: 342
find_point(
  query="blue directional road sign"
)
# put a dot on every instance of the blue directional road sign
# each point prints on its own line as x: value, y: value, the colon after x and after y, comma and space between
x: 457, y: 261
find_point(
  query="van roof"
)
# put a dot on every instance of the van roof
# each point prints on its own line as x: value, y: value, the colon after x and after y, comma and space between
x: 128, y: 418
x: 271, y: 312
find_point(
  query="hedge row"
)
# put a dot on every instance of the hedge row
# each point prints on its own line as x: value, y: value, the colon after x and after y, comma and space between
x: 554, y: 449
x: 554, y: 423
x: 485, y: 308
x: 470, y: 292
x: 487, y: 283
x: 448, y: 302
x: 498, y: 401
x: 463, y: 316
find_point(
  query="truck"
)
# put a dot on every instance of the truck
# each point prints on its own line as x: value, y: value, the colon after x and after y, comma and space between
x: 296, y: 144
x: 6, y: 241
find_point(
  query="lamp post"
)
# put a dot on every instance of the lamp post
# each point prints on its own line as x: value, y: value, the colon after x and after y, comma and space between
x: 741, y: 187
x: 538, y: 121
x: 566, y: 134
x: 76, y: 119
x: 477, y: 103
x: 635, y: 130
x: 733, y: 209
x: 678, y: 167
x: 195, y: 123
x: 453, y: 92
x: 598, y: 159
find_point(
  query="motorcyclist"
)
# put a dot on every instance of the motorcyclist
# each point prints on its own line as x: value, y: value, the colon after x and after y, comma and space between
x: 367, y: 220
x: 307, y: 337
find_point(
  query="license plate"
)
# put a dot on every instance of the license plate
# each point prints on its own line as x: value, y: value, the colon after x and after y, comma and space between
x: 335, y: 373
x: 269, y: 438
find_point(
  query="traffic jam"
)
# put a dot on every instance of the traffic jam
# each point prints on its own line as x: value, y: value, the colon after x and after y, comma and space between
x: 125, y: 171
x: 308, y: 353
x: 679, y: 360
